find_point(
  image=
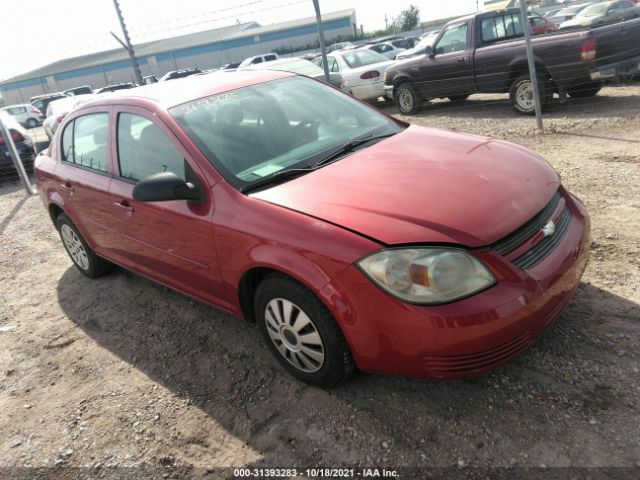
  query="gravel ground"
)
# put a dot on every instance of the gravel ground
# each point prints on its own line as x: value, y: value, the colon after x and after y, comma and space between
x: 122, y: 372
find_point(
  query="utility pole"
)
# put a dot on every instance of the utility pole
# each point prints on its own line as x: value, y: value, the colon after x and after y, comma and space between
x: 127, y: 44
x: 532, y: 64
x: 323, y: 51
x: 386, y: 21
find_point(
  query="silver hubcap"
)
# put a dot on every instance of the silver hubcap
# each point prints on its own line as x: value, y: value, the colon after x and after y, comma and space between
x: 74, y: 247
x: 524, y: 96
x: 294, y: 335
x: 405, y: 99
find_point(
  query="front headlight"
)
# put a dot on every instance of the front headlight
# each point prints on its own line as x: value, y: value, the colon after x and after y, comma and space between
x: 427, y: 276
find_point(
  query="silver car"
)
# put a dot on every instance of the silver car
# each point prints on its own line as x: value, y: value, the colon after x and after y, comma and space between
x: 601, y: 13
x: 58, y: 109
x: 26, y: 115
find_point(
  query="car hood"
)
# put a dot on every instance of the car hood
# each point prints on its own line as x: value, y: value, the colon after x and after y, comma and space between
x: 425, y: 185
x: 581, y: 21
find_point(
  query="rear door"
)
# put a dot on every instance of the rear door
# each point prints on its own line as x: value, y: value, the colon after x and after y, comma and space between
x: 84, y: 173
x: 450, y: 70
x: 171, y: 241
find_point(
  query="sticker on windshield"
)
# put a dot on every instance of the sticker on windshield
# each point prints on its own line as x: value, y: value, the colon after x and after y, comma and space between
x: 267, y: 170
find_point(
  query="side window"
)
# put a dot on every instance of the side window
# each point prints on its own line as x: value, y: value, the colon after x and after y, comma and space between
x: 84, y: 142
x: 501, y: 27
x: 143, y: 149
x: 453, y: 40
x: 268, y: 58
x: 256, y: 60
x: 67, y: 143
x: 332, y: 64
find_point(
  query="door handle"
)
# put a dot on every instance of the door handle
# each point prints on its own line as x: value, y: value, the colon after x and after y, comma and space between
x: 67, y: 186
x: 125, y: 205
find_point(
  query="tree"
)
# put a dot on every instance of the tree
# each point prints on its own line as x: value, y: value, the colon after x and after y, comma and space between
x: 408, y: 19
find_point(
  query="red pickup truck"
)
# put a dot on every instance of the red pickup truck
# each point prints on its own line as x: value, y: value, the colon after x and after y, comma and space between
x: 485, y: 53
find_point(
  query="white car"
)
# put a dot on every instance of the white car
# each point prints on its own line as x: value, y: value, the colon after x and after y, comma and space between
x: 58, y: 109
x: 362, y: 71
x: 267, y: 57
x: 388, y: 49
x: 26, y: 115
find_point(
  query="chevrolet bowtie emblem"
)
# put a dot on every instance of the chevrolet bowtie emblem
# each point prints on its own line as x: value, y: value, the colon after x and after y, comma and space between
x: 549, y: 229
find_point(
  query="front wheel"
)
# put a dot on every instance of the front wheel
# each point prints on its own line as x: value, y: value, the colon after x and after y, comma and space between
x: 301, y: 332
x: 82, y: 255
x: 522, y: 98
x: 408, y: 99
x: 32, y: 123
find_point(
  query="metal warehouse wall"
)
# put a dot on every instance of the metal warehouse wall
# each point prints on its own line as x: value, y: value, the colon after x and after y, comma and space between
x: 205, y: 56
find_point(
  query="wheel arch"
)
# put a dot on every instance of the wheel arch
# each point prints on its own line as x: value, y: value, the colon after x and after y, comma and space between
x: 520, y: 66
x: 55, y: 211
x: 300, y: 270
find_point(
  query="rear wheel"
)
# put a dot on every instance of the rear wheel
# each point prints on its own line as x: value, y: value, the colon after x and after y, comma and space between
x: 83, y: 257
x: 521, y: 94
x: 32, y: 123
x: 585, y: 91
x: 301, y: 332
x: 408, y: 99
x: 458, y: 98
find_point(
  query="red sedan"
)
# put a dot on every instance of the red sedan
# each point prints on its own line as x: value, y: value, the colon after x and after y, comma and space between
x: 541, y: 25
x: 353, y: 239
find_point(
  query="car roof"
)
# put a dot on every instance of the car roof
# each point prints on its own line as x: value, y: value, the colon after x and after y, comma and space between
x: 193, y: 87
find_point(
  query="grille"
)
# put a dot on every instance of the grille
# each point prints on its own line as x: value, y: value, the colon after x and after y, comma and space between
x: 545, y: 246
x: 460, y: 364
x: 528, y: 230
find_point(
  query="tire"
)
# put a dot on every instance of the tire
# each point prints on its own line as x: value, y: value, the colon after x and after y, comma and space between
x: 585, y: 91
x: 408, y: 99
x: 458, y: 98
x: 32, y: 123
x: 83, y: 257
x: 521, y: 94
x: 324, y: 359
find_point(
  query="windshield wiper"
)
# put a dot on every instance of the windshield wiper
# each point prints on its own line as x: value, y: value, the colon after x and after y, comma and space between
x: 282, y: 175
x: 274, y: 178
x: 349, y: 147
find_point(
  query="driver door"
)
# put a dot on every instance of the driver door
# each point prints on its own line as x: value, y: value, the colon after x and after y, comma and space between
x: 449, y: 71
x: 172, y: 241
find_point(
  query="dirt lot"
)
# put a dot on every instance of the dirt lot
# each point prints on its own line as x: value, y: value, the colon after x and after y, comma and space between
x: 122, y: 372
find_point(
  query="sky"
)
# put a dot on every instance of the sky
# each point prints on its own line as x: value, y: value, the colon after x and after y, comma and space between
x: 67, y: 28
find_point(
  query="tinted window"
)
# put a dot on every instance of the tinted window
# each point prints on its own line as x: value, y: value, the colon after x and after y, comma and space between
x: 504, y: 26
x: 87, y: 145
x: 268, y: 58
x: 453, y: 40
x: 143, y: 149
x: 256, y: 60
x: 332, y: 64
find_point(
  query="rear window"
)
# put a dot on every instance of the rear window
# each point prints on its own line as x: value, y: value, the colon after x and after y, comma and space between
x: 499, y: 28
x: 361, y: 58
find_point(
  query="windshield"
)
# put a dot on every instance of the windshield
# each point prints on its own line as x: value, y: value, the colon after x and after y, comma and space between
x: 593, y: 10
x: 360, y: 58
x: 256, y: 131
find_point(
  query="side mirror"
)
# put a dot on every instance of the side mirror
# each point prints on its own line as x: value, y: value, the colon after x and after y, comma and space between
x: 165, y: 186
x: 428, y: 50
